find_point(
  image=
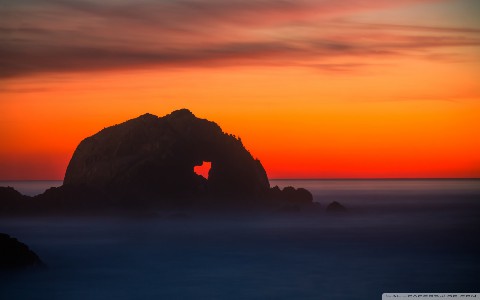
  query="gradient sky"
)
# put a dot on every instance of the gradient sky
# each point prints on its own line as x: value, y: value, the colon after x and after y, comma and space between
x: 324, y: 89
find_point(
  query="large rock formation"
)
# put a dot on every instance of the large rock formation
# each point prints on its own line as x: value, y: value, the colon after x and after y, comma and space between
x: 156, y: 156
x: 148, y: 162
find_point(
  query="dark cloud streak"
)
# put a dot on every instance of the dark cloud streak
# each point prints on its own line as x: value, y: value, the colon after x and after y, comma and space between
x: 71, y: 36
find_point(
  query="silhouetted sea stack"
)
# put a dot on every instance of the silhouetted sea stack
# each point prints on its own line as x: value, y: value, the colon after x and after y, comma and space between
x: 16, y: 255
x: 336, y: 207
x: 156, y: 156
x: 148, y: 163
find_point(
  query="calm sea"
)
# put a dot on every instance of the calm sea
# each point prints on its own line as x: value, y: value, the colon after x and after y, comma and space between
x: 397, y: 236
x: 319, y: 188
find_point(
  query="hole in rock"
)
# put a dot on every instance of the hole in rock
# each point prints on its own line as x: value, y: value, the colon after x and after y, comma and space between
x: 203, y: 169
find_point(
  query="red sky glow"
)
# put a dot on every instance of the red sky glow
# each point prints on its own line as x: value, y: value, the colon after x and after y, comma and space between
x: 315, y: 89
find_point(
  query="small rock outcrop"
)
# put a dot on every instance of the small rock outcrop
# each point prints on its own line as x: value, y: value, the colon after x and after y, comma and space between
x: 292, y: 195
x: 11, y: 200
x: 336, y: 207
x: 292, y: 199
x: 8, y: 192
x: 16, y: 255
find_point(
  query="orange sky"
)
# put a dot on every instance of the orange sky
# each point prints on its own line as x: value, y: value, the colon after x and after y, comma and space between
x: 314, y: 89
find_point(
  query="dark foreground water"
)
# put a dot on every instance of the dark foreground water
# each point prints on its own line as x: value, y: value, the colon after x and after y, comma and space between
x: 398, y: 236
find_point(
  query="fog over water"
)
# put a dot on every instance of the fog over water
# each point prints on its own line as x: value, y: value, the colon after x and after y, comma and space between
x: 397, y: 236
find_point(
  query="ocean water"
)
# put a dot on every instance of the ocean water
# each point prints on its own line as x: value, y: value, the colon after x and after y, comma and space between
x: 397, y: 236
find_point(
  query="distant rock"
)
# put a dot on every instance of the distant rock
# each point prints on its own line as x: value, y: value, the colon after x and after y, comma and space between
x: 11, y: 200
x: 297, y: 196
x: 16, y: 255
x: 291, y: 199
x: 8, y: 192
x: 335, y: 207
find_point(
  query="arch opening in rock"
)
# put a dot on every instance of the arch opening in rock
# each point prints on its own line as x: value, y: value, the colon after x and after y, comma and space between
x: 203, y: 169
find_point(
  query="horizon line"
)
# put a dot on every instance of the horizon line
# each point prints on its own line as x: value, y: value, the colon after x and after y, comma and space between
x: 316, y: 178
x: 379, y: 178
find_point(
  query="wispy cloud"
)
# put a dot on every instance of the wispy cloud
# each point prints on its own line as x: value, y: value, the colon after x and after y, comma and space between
x: 77, y: 35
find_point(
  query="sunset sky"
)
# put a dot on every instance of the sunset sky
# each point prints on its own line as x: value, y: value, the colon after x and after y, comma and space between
x: 315, y: 89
